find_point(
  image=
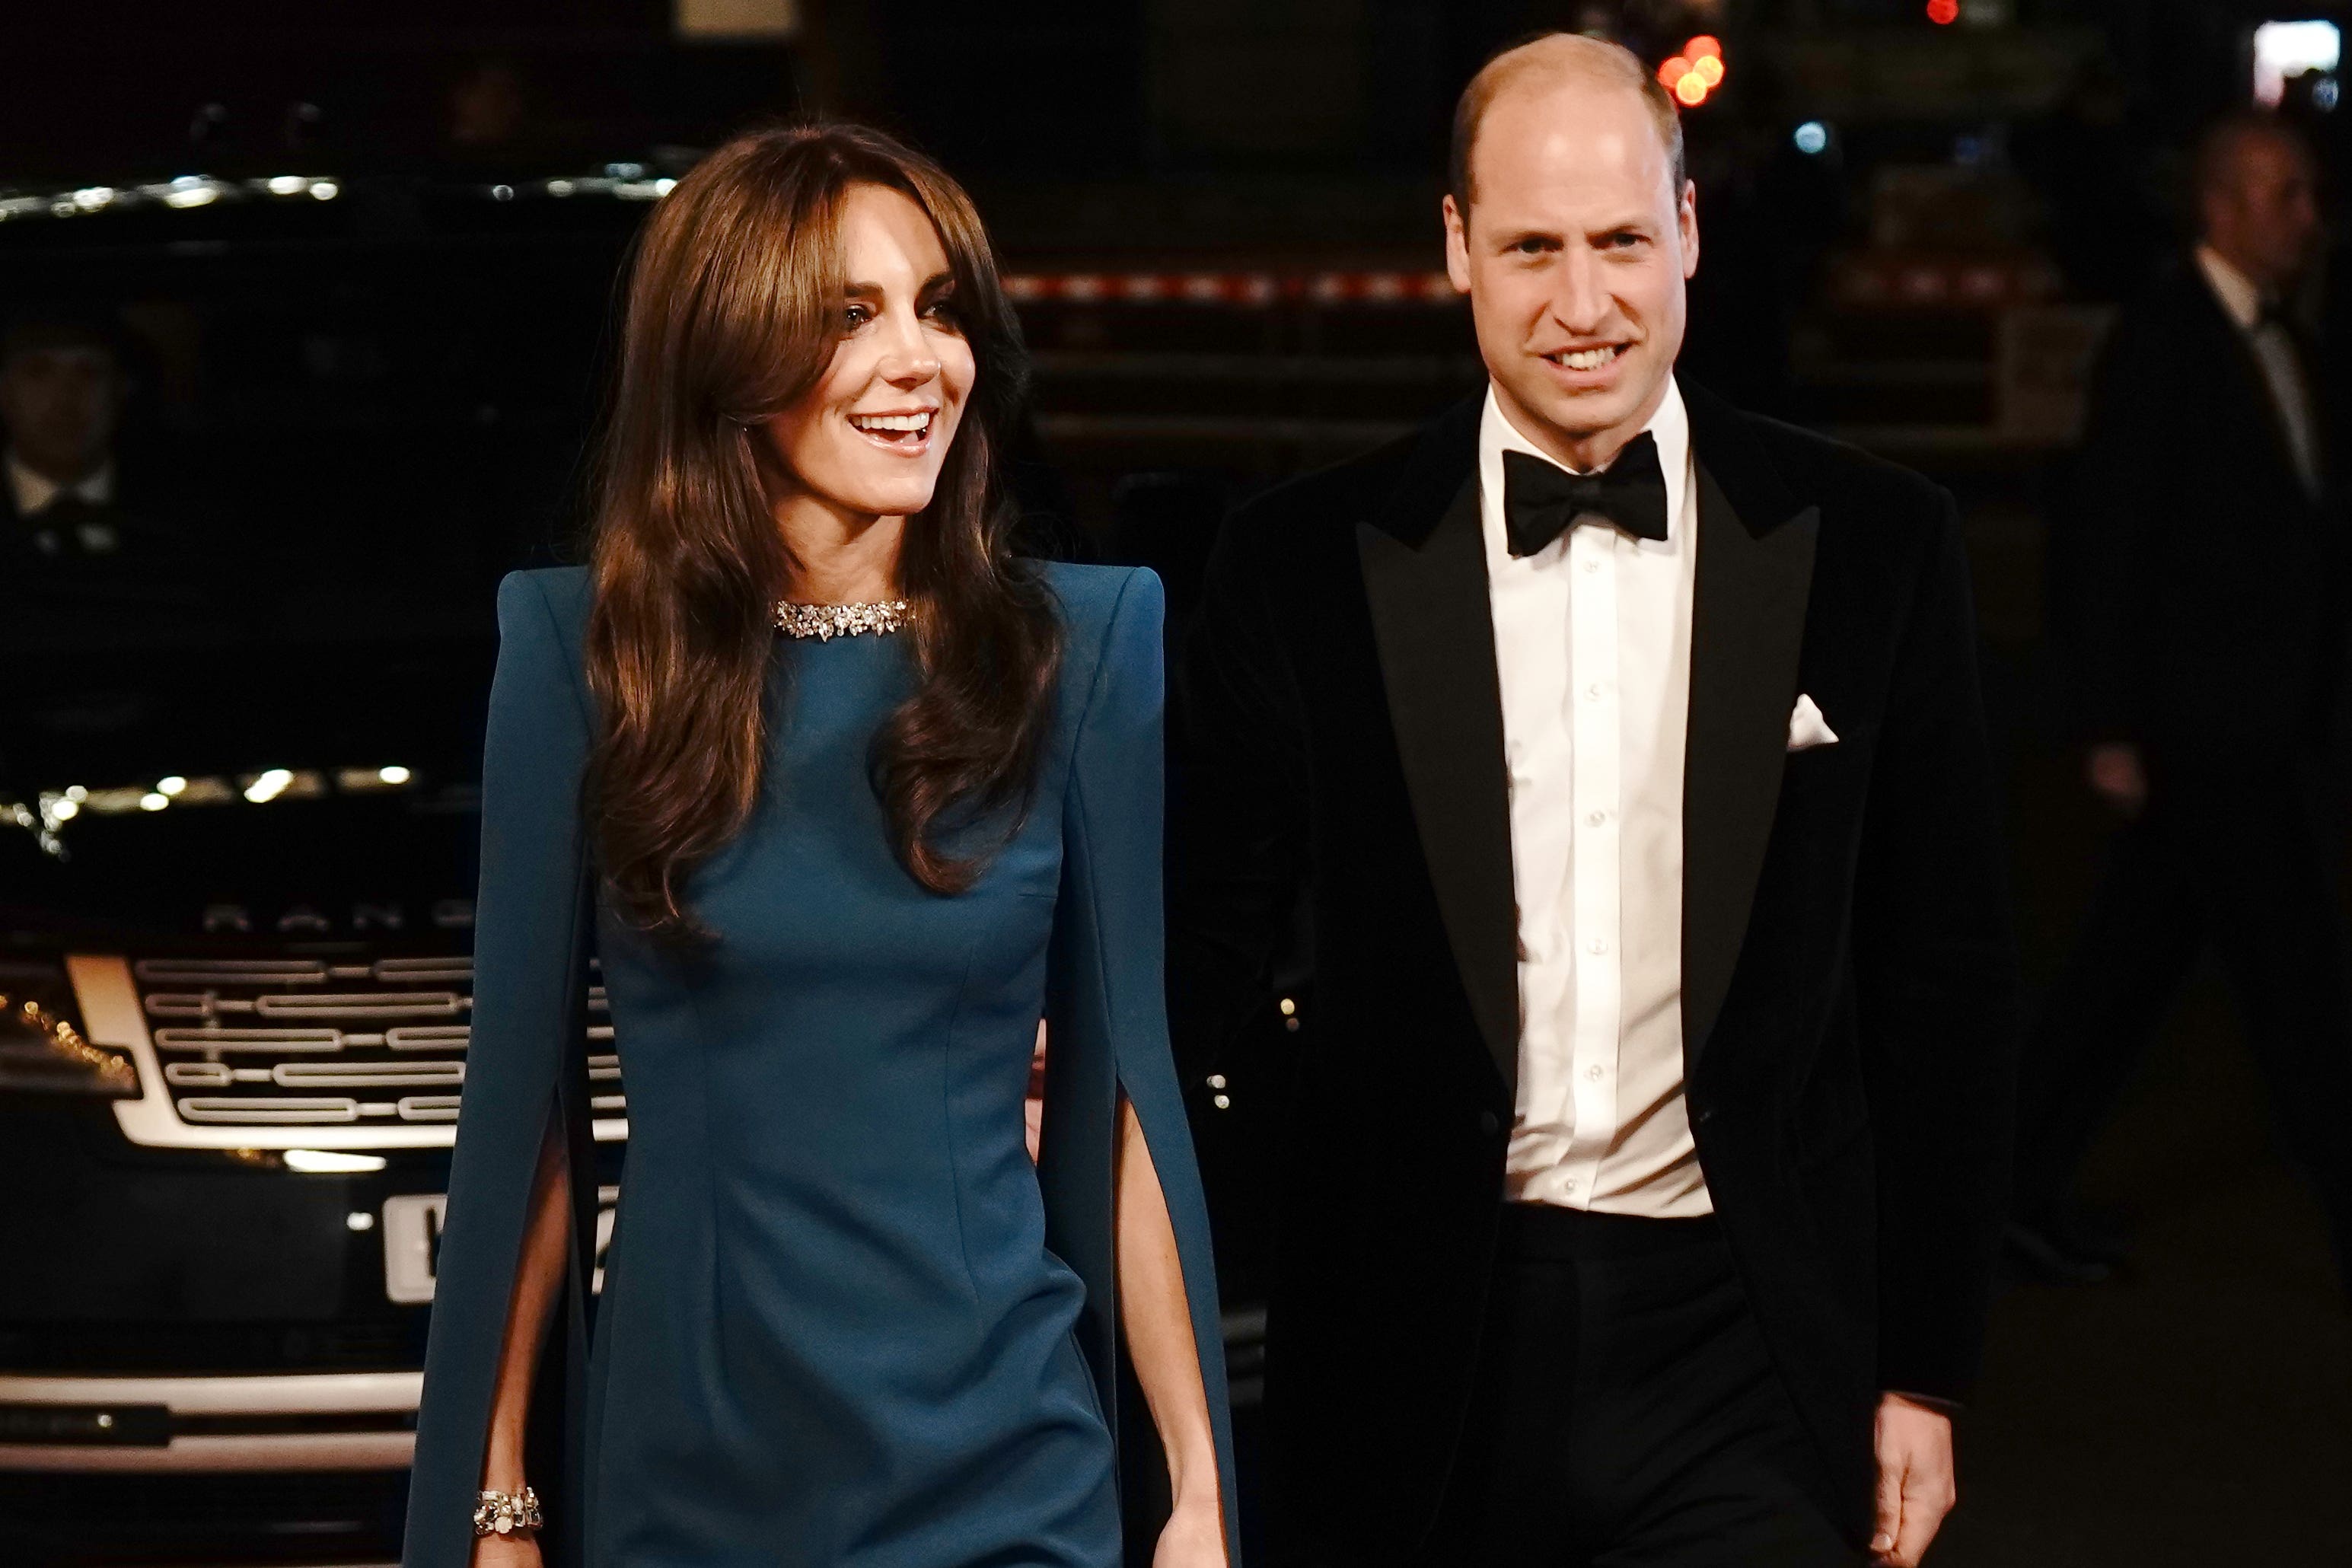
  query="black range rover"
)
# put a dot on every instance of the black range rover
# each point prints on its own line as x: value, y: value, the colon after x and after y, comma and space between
x: 241, y: 687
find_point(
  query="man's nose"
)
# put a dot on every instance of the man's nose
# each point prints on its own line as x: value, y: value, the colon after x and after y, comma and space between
x: 1582, y: 303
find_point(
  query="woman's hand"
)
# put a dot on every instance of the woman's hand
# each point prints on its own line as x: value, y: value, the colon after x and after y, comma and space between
x: 1194, y: 1537
x: 506, y: 1551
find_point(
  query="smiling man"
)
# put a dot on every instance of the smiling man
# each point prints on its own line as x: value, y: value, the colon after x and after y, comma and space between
x: 1643, y: 1175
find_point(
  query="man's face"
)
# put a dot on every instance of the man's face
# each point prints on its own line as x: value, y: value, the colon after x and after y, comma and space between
x: 1574, y: 252
x: 59, y: 402
x: 2266, y: 217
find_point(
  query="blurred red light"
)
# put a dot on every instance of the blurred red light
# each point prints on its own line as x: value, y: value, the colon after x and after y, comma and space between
x: 1943, y: 13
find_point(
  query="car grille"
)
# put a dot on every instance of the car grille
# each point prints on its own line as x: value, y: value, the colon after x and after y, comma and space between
x: 310, y: 1042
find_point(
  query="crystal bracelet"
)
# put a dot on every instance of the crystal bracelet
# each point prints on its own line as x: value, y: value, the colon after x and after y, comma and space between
x: 503, y: 1513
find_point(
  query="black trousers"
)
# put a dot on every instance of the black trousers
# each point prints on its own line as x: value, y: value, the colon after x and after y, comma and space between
x: 2235, y: 853
x: 1628, y: 1411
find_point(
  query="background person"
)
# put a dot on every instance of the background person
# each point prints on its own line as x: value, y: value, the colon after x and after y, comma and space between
x: 837, y: 880
x: 2209, y: 564
x: 1644, y: 1173
x: 62, y: 387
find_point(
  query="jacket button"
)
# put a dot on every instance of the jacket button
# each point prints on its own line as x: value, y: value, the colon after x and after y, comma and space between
x: 1703, y: 1117
x: 1489, y: 1123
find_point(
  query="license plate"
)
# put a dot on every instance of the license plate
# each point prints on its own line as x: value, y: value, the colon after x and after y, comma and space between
x: 411, y: 1243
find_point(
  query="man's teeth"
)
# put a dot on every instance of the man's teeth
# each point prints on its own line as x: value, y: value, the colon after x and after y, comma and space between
x: 1587, y: 359
x: 915, y: 422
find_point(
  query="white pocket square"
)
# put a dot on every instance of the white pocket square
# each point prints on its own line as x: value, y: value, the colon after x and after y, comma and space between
x: 1807, y: 728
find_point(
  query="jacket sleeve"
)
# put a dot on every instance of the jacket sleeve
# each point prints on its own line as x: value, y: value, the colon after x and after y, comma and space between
x: 1936, y: 989
x: 524, y: 1068
x: 1107, y: 1015
x: 1237, y: 820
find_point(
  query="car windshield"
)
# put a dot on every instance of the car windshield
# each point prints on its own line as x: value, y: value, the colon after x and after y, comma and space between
x: 267, y: 456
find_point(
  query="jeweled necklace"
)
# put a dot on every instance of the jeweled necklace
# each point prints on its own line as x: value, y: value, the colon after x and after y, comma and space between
x: 826, y: 622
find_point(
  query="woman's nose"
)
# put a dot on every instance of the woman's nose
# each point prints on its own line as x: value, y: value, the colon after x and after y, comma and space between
x: 909, y: 360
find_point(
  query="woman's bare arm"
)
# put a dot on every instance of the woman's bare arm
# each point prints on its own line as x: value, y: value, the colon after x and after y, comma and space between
x: 546, y: 1239
x: 1158, y: 1324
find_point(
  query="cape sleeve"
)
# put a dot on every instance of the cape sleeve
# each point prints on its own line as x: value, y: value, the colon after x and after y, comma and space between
x: 1107, y: 1012
x: 524, y: 1068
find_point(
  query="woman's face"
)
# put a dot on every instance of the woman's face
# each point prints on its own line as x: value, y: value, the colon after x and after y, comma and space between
x: 868, y: 439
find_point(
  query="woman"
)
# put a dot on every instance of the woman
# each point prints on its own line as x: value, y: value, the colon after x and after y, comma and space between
x: 849, y: 799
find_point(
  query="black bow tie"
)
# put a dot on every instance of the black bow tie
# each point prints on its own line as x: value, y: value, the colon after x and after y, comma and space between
x: 1541, y: 499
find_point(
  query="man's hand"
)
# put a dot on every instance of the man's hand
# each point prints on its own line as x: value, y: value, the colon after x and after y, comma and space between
x: 2117, y: 777
x: 1916, y: 1488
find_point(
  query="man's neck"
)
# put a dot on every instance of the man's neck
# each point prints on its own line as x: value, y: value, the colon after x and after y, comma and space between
x: 1583, y: 451
x: 32, y: 485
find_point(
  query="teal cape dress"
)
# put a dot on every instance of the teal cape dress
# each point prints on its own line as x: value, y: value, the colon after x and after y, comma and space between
x: 844, y: 1320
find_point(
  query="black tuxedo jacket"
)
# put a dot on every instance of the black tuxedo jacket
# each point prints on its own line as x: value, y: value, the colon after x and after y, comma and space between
x: 1849, y: 993
x: 2204, y: 583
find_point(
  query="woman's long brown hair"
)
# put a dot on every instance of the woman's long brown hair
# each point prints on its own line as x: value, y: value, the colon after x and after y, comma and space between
x: 735, y: 306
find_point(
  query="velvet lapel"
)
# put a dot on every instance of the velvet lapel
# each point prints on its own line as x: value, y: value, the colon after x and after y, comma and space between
x: 1424, y: 568
x: 1748, y: 626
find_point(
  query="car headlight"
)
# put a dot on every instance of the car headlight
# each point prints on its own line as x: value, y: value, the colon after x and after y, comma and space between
x: 41, y: 1053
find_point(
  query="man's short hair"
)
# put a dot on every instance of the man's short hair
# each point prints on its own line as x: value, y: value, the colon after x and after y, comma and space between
x: 1609, y: 60
x: 2211, y: 168
x: 58, y: 327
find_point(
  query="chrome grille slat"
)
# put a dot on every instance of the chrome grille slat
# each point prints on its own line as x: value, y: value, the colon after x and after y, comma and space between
x: 270, y: 1112
x: 364, y: 1004
x: 199, y: 1075
x: 231, y: 971
x: 179, y: 1004
x: 421, y: 971
x: 429, y: 1108
x: 429, y: 1036
x: 307, y: 1041
x: 367, y: 1075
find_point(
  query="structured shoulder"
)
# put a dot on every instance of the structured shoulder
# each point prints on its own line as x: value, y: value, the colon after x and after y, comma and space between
x: 1343, y: 493
x: 1843, y: 477
x: 551, y: 601
x: 1093, y: 598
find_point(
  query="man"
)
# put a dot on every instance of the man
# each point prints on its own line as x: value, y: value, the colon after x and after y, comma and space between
x: 61, y: 389
x: 2210, y: 571
x: 1644, y: 1180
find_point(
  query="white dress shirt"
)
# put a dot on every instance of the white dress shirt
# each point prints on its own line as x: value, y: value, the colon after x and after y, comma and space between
x: 2242, y: 300
x: 33, y: 492
x: 1592, y: 647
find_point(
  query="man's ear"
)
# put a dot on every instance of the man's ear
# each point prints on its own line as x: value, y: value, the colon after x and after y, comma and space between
x: 1457, y: 246
x: 1686, y: 219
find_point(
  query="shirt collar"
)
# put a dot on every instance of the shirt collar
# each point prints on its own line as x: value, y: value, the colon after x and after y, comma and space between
x: 1669, y: 426
x: 33, y: 492
x: 2241, y: 298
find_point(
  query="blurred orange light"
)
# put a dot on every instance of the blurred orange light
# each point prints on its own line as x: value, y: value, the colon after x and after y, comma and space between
x: 1692, y: 89
x: 1943, y: 13
x: 1709, y: 70
x: 1673, y: 71
x: 1703, y: 47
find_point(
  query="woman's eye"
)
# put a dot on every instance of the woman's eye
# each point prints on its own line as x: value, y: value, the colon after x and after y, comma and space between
x: 856, y: 316
x: 942, y: 311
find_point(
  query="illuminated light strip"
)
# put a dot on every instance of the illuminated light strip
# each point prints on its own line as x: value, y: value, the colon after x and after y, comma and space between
x: 1254, y: 288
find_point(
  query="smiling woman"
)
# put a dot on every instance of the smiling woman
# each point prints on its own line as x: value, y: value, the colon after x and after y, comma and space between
x: 834, y: 880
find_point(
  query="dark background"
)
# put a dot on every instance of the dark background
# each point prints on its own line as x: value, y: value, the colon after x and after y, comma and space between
x: 1929, y: 282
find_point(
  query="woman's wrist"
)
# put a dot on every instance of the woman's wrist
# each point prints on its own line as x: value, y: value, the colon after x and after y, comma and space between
x: 1193, y: 1472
